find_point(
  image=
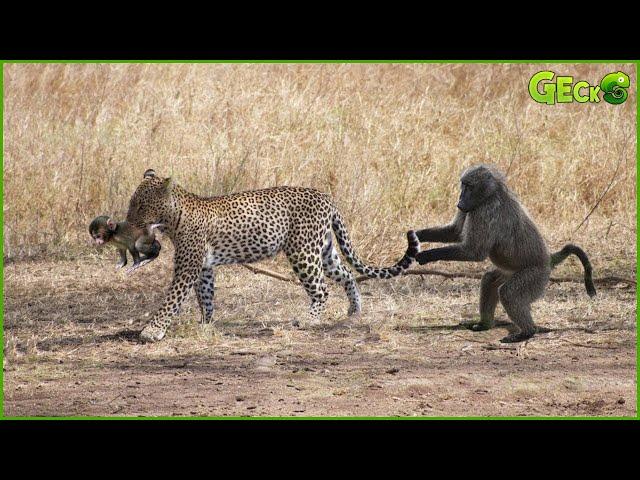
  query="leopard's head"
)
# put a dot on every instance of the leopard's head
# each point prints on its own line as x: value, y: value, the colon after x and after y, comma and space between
x: 151, y: 202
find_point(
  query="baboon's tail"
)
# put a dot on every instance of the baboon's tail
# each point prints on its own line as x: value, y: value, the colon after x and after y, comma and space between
x: 569, y: 249
x: 346, y: 248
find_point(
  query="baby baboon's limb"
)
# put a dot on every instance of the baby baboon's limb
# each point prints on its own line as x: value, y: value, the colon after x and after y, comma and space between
x: 123, y: 258
x: 148, y: 246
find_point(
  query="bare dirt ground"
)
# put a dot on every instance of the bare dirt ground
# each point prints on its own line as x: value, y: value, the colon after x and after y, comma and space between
x: 71, y: 348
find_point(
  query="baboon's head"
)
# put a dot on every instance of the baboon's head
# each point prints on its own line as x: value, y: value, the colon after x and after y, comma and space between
x: 151, y: 202
x: 102, y: 229
x: 477, y: 185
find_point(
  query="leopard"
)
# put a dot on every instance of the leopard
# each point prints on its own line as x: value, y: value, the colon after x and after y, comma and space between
x: 245, y: 227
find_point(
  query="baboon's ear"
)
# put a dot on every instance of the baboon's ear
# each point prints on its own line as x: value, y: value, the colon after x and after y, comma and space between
x: 111, y: 225
x: 168, y: 184
x: 149, y: 173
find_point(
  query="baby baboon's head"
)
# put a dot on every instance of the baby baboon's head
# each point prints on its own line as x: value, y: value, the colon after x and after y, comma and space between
x: 102, y: 229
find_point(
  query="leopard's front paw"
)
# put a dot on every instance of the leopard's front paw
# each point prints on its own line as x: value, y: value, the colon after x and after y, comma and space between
x: 151, y: 333
x: 354, y: 311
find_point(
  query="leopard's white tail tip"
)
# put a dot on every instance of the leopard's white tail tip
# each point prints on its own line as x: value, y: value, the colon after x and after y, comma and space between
x: 414, y: 244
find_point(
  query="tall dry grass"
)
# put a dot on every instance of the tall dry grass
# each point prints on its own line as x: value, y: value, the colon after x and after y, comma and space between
x: 387, y: 141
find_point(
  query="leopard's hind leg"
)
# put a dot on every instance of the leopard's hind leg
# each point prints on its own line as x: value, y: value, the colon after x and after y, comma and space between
x: 335, y: 270
x: 308, y: 268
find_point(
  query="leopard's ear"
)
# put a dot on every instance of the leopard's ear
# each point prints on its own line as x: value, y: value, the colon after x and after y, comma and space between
x: 168, y: 185
x: 149, y: 173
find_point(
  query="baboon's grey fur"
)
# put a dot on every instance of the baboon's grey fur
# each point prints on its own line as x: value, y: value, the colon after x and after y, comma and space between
x: 492, y: 223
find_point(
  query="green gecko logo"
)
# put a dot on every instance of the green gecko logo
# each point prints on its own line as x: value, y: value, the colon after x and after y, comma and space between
x: 561, y: 89
x: 615, y: 87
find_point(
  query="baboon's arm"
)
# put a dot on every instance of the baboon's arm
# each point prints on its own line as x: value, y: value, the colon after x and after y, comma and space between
x: 134, y: 253
x: 474, y: 248
x: 456, y: 253
x: 123, y: 256
x: 447, y: 234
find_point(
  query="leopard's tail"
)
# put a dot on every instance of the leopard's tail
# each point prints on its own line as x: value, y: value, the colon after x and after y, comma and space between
x: 346, y: 248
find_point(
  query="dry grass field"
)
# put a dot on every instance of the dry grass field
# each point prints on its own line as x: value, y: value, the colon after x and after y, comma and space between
x: 388, y: 142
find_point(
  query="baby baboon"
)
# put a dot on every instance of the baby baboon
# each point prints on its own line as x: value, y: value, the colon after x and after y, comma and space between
x: 125, y: 237
x: 490, y: 222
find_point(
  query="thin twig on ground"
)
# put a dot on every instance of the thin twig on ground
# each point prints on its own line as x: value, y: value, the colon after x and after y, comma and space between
x: 600, y: 347
x: 269, y: 273
x: 477, y: 276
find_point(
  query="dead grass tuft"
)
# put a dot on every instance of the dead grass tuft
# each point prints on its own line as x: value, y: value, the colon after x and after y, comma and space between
x: 387, y: 141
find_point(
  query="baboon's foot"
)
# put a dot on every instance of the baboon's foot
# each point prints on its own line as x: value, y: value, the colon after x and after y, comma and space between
x: 517, y: 337
x: 120, y: 265
x: 481, y: 327
x: 477, y: 326
x: 151, y: 333
x: 468, y: 323
x: 543, y: 329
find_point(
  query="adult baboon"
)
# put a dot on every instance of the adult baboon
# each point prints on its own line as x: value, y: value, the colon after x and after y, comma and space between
x: 490, y: 222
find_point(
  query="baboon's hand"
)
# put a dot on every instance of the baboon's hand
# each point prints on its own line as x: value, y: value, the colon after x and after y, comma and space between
x: 424, y: 257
